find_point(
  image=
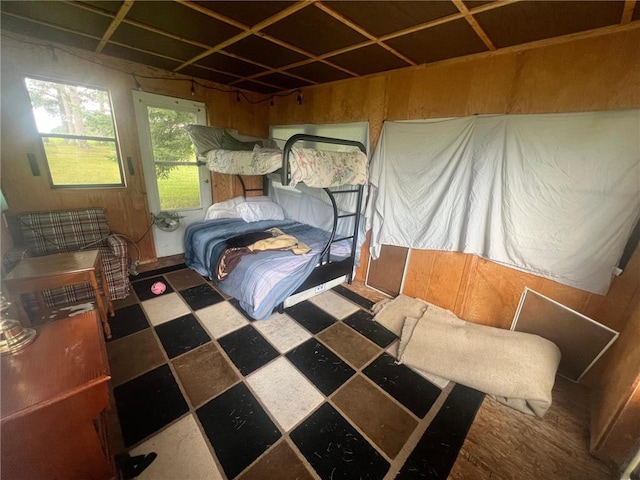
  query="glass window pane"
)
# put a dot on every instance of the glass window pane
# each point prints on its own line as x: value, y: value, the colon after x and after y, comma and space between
x: 80, y: 112
x: 169, y: 139
x: 178, y: 187
x: 82, y: 162
x: 71, y: 109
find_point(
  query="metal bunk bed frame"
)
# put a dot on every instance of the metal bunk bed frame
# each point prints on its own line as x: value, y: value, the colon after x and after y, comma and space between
x: 326, y: 271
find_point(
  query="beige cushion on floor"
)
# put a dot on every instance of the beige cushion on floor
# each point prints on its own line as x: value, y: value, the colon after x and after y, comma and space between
x: 518, y: 368
x: 391, y: 313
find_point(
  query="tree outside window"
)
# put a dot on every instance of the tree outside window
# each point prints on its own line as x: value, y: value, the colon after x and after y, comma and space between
x: 77, y: 130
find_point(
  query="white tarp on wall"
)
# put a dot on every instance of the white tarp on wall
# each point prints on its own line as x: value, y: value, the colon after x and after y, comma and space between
x: 556, y: 195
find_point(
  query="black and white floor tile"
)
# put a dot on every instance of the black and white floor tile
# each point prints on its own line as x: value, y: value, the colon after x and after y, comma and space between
x: 312, y: 393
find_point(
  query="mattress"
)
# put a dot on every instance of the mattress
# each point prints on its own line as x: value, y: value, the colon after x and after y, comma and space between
x: 263, y: 280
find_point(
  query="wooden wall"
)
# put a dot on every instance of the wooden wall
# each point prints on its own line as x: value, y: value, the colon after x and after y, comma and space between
x: 126, y: 207
x: 585, y: 73
x: 616, y: 418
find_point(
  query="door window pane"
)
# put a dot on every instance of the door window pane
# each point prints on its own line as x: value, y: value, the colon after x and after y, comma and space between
x: 169, y: 139
x: 179, y: 189
x: 178, y: 185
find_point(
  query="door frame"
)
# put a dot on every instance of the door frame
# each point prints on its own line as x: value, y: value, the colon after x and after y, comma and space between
x: 141, y: 101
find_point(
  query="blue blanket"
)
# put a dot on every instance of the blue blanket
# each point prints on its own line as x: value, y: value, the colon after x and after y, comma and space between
x: 262, y: 280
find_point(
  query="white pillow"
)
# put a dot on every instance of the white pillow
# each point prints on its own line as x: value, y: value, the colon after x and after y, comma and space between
x: 214, y: 214
x: 261, y: 210
x: 226, y: 209
x: 260, y: 198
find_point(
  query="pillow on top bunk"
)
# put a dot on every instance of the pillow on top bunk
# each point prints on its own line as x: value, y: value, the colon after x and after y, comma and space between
x: 261, y: 210
x: 226, y: 209
x: 229, y: 142
x: 205, y: 138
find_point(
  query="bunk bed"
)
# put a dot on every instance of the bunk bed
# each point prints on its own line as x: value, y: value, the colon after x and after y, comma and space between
x: 264, y: 280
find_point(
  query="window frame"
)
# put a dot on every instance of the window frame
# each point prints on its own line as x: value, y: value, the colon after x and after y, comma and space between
x: 41, y: 135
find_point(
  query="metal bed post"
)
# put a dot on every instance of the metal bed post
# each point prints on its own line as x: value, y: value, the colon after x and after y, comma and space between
x: 325, y: 256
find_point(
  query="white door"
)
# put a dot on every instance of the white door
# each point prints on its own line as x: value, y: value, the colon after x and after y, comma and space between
x: 175, y: 183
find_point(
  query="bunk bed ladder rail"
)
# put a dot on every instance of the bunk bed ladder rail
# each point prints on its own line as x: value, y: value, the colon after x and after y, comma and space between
x: 326, y: 253
x: 285, y: 174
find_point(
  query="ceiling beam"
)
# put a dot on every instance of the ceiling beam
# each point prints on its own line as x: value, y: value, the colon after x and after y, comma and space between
x: 312, y: 57
x: 115, y: 23
x: 250, y: 30
x: 627, y: 13
x: 322, y: 6
x: 448, y: 18
x: 474, y: 24
x: 266, y: 67
x: 212, y: 14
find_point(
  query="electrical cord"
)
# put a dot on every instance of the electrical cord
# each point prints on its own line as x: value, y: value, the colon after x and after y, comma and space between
x: 134, y: 265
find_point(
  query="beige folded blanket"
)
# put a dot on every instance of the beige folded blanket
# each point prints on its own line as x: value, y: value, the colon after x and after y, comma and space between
x: 517, y: 368
x: 391, y: 313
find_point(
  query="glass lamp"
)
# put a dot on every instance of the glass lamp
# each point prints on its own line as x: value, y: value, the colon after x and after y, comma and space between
x: 13, y: 336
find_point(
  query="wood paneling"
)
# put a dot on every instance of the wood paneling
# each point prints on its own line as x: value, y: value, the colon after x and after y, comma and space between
x: 615, y: 424
x: 436, y: 276
x: 126, y: 207
x: 228, y: 186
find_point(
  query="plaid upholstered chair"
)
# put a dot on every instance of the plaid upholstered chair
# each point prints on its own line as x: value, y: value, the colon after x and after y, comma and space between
x: 46, y: 233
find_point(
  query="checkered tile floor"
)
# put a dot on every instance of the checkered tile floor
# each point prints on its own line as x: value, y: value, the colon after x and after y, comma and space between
x: 311, y: 393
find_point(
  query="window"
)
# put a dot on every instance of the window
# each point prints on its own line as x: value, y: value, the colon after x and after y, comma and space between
x: 358, y: 131
x: 77, y: 130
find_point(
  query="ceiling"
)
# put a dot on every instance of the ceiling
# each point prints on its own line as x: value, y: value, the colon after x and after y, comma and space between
x: 276, y: 46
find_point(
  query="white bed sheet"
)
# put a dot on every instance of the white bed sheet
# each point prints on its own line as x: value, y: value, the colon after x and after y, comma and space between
x: 556, y: 195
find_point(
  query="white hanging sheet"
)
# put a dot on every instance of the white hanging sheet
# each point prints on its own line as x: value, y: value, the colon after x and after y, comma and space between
x: 556, y: 195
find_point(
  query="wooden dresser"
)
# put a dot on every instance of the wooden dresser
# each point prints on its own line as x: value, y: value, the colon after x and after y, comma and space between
x: 54, y: 395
